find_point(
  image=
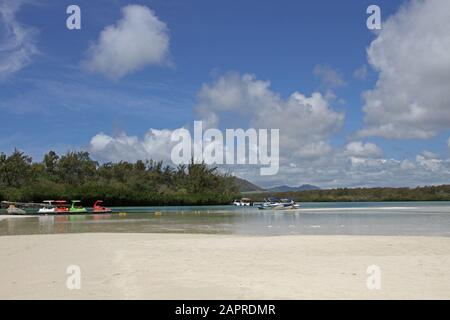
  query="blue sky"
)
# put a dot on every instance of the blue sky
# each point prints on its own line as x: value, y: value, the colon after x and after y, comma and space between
x: 54, y: 102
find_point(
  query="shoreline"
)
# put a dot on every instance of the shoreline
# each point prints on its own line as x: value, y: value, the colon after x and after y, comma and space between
x: 199, y: 266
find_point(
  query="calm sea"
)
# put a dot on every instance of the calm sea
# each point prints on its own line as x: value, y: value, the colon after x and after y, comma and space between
x: 382, y: 218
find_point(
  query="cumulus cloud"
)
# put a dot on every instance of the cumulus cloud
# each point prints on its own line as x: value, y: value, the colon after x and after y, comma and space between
x: 314, y: 150
x: 137, y: 40
x: 429, y: 155
x: 340, y: 170
x: 361, y: 73
x: 17, y: 43
x: 302, y: 120
x: 155, y: 145
x: 407, y: 165
x: 429, y: 161
x: 411, y: 98
x: 329, y: 77
x: 363, y: 150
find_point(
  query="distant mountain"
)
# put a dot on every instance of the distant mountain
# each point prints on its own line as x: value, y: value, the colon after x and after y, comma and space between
x: 304, y: 187
x: 246, y: 186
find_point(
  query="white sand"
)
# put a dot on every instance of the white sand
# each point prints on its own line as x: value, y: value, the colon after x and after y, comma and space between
x: 173, y: 266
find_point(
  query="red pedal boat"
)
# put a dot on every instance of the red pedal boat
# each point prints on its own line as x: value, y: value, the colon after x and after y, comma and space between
x: 61, y: 206
x: 98, y: 208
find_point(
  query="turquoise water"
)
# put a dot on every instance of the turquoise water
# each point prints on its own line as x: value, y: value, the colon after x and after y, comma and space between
x: 381, y: 218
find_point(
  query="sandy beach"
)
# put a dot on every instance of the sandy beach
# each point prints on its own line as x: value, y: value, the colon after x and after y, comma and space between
x: 187, y: 266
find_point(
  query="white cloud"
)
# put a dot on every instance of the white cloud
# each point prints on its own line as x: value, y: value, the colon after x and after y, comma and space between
x: 411, y: 53
x: 17, y: 45
x: 302, y: 120
x: 139, y: 39
x: 429, y: 161
x: 361, y: 150
x: 361, y: 73
x: 314, y: 150
x: 155, y: 145
x: 101, y: 141
x: 338, y: 170
x: 330, y: 78
x: 407, y: 165
x: 429, y: 155
x: 448, y: 142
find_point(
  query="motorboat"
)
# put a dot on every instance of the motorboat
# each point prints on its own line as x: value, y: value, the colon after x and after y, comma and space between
x: 74, y: 208
x: 244, y: 202
x: 279, y: 204
x: 98, y: 208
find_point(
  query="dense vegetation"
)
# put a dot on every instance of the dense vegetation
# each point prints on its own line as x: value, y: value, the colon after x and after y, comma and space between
x: 76, y: 176
x: 431, y: 193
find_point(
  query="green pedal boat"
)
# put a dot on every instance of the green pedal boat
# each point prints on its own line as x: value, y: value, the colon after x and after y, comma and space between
x: 77, y: 209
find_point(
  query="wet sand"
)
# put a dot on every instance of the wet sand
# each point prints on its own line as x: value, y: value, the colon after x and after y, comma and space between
x: 187, y: 266
x: 5, y: 216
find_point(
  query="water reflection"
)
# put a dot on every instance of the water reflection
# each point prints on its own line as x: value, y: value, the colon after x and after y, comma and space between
x: 46, y: 224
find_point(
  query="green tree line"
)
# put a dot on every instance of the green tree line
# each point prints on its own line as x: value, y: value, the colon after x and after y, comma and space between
x: 76, y: 176
x: 427, y: 193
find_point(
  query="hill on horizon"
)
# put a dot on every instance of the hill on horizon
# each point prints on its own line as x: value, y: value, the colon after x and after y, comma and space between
x: 303, y: 187
x: 247, y: 186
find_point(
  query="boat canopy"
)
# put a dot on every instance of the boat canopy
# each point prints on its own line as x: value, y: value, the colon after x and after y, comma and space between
x: 274, y: 199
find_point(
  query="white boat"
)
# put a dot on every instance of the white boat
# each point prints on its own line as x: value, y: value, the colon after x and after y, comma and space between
x: 48, y: 207
x: 244, y: 202
x: 279, y: 204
